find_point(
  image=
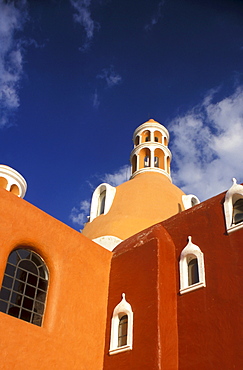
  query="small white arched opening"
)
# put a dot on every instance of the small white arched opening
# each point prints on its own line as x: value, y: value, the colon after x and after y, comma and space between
x: 192, y: 271
x: 101, y: 200
x: 233, y: 207
x: 190, y: 201
x: 121, y: 328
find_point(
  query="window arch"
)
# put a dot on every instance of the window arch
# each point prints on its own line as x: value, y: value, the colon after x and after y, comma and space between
x: 101, y: 203
x: 190, y: 201
x: 192, y: 271
x: 24, y: 287
x: 233, y: 207
x: 122, y: 331
x: 193, y: 275
x: 121, y: 327
x: 102, y: 200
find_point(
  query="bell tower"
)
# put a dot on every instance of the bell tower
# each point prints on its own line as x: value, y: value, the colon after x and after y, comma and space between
x: 151, y: 152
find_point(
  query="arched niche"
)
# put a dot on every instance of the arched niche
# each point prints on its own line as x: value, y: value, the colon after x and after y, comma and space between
x: 14, y: 189
x: 157, y: 137
x: 144, y: 158
x: 159, y: 159
x: 3, y: 183
x: 146, y: 136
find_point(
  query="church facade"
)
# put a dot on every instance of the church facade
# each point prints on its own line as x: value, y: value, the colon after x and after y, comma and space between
x: 154, y: 281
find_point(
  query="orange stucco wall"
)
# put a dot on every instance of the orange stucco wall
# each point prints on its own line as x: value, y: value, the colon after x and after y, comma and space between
x: 73, y: 330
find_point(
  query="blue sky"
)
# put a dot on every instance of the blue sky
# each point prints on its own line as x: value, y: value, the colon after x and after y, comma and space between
x: 78, y: 76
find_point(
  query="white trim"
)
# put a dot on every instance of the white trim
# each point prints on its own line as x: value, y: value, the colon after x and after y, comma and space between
x: 108, y: 241
x: 191, y: 251
x: 233, y: 194
x: 123, y: 308
x: 190, y: 201
x: 109, y: 196
x: 151, y: 169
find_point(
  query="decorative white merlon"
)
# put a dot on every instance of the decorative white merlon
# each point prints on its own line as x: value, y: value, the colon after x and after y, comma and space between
x: 233, y: 194
x: 190, y: 252
x: 106, y: 191
x: 14, y: 182
x: 190, y: 201
x: 123, y: 308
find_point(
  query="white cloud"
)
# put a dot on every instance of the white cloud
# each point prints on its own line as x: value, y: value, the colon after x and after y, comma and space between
x: 155, y: 18
x: 79, y: 215
x: 110, y: 76
x: 12, y: 18
x: 118, y: 177
x: 82, y: 16
x: 207, y: 145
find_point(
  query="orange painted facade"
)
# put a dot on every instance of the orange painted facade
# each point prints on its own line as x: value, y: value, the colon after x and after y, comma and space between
x: 73, y: 331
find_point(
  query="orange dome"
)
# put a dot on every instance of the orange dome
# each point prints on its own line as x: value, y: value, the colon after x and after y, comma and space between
x: 141, y: 202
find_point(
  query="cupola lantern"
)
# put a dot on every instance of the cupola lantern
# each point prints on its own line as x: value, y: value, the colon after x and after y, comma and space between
x: 151, y: 152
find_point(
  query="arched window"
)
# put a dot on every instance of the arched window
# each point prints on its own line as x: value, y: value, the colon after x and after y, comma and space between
x: 122, y: 331
x: 193, y: 275
x: 192, y: 271
x: 24, y: 287
x: 101, y: 205
x: 233, y: 207
x: 121, y: 327
x: 190, y: 201
x: 238, y: 211
x: 102, y: 200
